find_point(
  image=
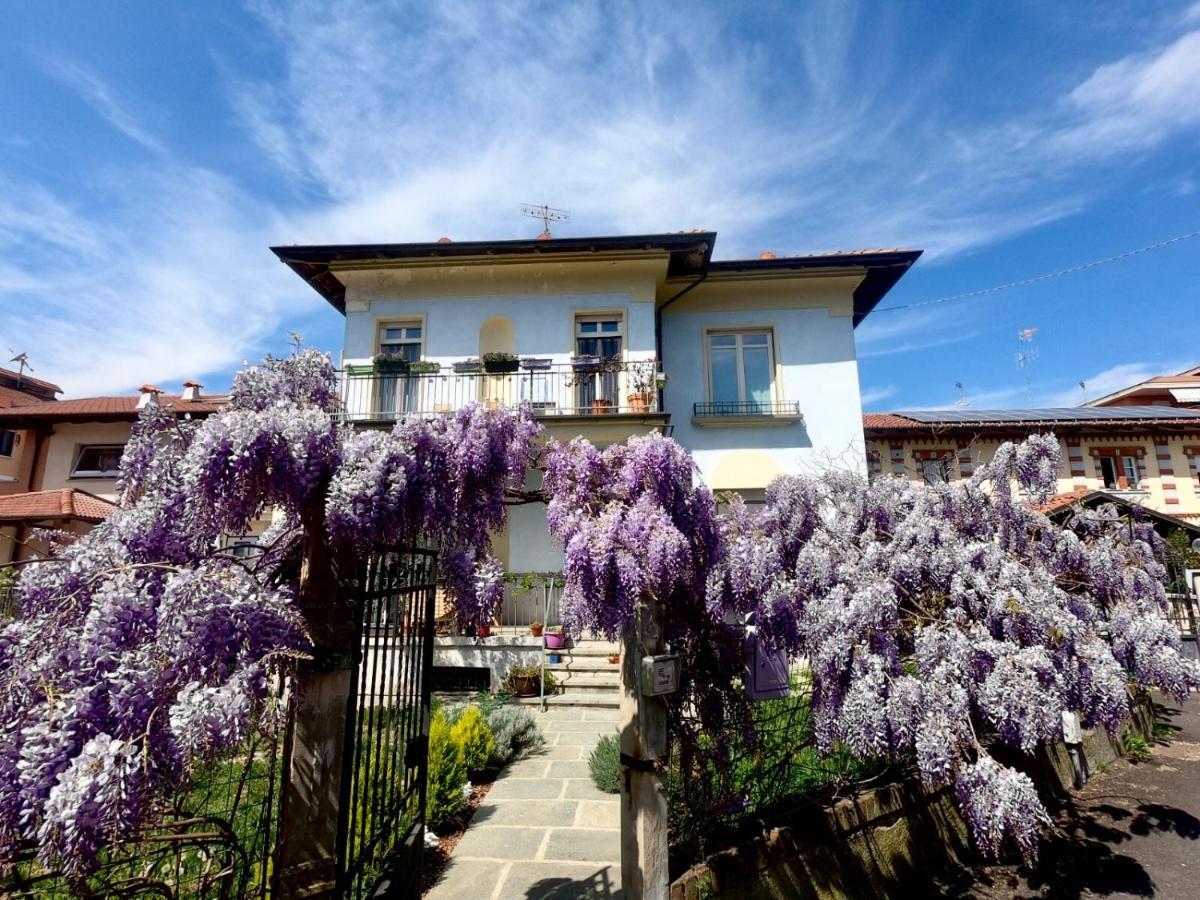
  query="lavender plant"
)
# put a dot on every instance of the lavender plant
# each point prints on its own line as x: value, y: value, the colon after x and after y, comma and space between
x: 144, y: 651
x: 936, y: 621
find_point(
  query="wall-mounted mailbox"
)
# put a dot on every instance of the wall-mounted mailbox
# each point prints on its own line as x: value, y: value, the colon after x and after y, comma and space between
x: 767, y: 676
x: 660, y: 675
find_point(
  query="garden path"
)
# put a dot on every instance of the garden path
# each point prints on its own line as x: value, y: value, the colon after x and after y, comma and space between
x: 543, y: 830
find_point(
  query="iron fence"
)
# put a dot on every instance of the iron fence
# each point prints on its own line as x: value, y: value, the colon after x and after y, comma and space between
x: 370, y: 395
x: 746, y: 408
x: 381, y: 829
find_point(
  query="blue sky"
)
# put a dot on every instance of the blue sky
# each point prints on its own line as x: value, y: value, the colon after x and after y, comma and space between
x: 150, y: 152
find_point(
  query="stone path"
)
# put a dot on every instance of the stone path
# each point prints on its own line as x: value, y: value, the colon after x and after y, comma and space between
x: 543, y: 830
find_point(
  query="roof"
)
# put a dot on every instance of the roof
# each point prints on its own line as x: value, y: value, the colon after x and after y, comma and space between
x: 101, y: 409
x: 26, y: 382
x: 1077, y: 416
x: 690, y: 255
x: 67, y: 503
x: 1189, y: 378
x: 1057, y: 507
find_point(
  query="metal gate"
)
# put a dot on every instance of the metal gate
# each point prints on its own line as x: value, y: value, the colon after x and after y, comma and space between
x: 381, y: 829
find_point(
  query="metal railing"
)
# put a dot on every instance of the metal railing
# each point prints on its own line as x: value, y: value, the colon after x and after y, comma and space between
x: 746, y: 408
x: 372, y: 395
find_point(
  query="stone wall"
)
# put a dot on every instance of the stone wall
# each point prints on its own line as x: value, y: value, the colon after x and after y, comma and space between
x: 883, y: 843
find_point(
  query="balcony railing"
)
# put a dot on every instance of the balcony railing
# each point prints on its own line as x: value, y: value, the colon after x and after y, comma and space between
x: 371, y: 395
x: 746, y: 408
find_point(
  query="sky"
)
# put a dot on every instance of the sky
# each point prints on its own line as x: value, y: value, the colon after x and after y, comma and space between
x: 150, y: 153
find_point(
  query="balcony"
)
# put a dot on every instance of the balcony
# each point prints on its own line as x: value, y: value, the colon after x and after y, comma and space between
x: 552, y: 391
x: 730, y: 413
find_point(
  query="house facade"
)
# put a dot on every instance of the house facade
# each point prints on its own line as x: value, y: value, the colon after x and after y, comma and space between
x: 1146, y: 455
x: 750, y: 364
x: 71, y: 450
x: 17, y: 445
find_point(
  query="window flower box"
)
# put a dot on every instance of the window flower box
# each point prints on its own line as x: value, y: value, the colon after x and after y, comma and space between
x: 467, y: 366
x: 500, y: 363
x: 536, y: 363
x: 585, y: 363
x: 424, y: 367
x: 393, y: 364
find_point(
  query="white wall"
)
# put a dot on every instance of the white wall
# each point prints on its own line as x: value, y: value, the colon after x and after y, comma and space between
x: 817, y: 368
x: 64, y: 448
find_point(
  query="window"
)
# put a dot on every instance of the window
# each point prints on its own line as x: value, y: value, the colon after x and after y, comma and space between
x: 935, y: 471
x: 98, y: 461
x: 599, y: 336
x: 741, y: 369
x: 401, y: 340
x: 8, y: 440
x: 1118, y: 470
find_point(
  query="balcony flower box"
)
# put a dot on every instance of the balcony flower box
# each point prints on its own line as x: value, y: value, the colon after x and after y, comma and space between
x: 424, y: 367
x: 585, y: 363
x: 536, y: 363
x: 391, y: 364
x: 467, y: 366
x: 500, y: 363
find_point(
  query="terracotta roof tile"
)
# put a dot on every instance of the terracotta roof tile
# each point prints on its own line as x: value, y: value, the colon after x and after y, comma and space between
x: 1063, y: 500
x: 67, y: 503
x: 111, y: 407
x: 9, y: 374
x: 887, y: 420
x: 12, y: 397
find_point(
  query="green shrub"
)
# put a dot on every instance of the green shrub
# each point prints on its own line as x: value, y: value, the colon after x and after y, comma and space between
x: 605, y: 764
x: 516, y: 734
x: 1137, y: 748
x: 473, y: 738
x: 447, y: 772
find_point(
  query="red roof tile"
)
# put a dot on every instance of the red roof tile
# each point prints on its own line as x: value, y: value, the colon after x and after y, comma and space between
x: 887, y: 420
x: 108, y: 407
x: 7, y: 375
x: 67, y: 503
x: 1063, y: 500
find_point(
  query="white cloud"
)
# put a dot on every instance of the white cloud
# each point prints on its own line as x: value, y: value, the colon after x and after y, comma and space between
x: 1114, y: 378
x: 97, y: 94
x: 911, y: 330
x: 871, y: 396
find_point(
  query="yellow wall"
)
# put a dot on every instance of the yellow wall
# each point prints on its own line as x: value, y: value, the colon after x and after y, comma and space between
x: 14, y: 470
x: 1152, y: 492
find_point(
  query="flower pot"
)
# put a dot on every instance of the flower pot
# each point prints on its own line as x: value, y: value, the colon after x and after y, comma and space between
x: 555, y: 658
x: 614, y: 658
x: 527, y: 685
x: 501, y: 366
x: 585, y: 363
x: 392, y: 367
x: 535, y: 364
x: 484, y: 631
x: 601, y: 407
x: 468, y: 366
x: 640, y: 402
x: 424, y: 368
x: 536, y: 629
x: 555, y: 640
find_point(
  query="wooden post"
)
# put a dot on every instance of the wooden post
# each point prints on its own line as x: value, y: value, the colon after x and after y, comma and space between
x: 308, y: 825
x: 644, y: 743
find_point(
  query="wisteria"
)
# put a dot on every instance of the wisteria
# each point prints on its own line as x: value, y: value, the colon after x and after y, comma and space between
x: 145, y: 650
x: 935, y: 622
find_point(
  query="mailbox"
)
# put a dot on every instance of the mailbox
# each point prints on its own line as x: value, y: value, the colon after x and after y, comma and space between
x: 767, y: 675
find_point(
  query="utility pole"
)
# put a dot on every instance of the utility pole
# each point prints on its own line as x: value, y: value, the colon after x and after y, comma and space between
x: 644, y: 871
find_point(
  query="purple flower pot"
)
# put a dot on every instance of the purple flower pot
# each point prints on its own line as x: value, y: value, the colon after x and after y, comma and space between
x: 555, y: 641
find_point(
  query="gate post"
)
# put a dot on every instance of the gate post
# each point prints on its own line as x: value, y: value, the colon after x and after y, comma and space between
x: 644, y: 837
x: 313, y: 764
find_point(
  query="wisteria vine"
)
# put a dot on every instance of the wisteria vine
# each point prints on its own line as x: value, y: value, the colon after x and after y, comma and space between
x: 935, y: 621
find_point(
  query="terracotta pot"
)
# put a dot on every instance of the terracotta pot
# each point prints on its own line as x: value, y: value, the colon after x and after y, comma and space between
x: 640, y: 403
x: 555, y: 640
x: 484, y: 631
x: 536, y: 630
x: 614, y: 658
x: 601, y: 407
x: 527, y: 685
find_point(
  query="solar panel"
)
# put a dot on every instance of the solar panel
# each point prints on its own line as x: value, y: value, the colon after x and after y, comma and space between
x: 1051, y: 414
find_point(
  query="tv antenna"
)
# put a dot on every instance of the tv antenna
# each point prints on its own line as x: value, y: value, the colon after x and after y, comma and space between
x: 1027, y: 356
x: 22, y: 361
x: 547, y: 214
x: 962, y: 402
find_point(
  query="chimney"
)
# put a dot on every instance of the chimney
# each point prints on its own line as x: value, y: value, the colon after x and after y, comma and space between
x: 191, y: 390
x: 149, y: 395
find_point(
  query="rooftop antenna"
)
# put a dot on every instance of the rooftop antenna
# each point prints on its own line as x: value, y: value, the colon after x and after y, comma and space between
x: 1027, y: 356
x: 22, y: 361
x: 547, y: 214
x: 962, y: 402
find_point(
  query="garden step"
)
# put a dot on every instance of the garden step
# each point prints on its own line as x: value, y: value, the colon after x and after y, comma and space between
x: 595, y: 650
x: 589, y: 700
x: 584, y: 664
x: 585, y: 678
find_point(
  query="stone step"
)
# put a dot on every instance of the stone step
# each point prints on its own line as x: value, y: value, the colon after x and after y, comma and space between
x: 584, y: 664
x: 586, y: 699
x: 598, y: 651
x: 586, y: 679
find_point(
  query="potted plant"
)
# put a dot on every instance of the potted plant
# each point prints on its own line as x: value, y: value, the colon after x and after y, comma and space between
x: 390, y: 362
x: 614, y: 658
x: 642, y: 381
x: 555, y: 659
x: 601, y: 407
x: 526, y: 681
x: 424, y: 367
x: 555, y: 639
x: 500, y: 363
x: 585, y: 363
x: 536, y: 363
x: 484, y: 630
x: 464, y: 366
x: 535, y: 628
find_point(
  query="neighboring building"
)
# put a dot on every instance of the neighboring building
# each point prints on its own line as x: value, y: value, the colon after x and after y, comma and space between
x: 759, y: 353
x: 16, y: 445
x: 1181, y: 390
x: 71, y: 451
x: 1148, y: 455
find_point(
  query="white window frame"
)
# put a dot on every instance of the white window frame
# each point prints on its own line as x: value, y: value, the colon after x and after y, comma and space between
x: 383, y: 326
x: 77, y: 472
x: 582, y: 318
x: 738, y: 333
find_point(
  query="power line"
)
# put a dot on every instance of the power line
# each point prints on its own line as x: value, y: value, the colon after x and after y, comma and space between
x: 1046, y: 277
